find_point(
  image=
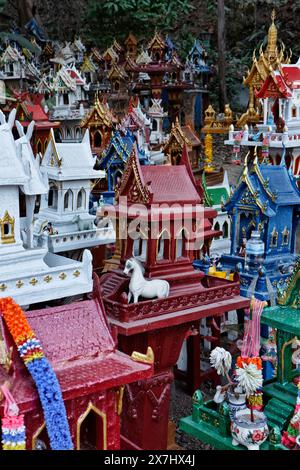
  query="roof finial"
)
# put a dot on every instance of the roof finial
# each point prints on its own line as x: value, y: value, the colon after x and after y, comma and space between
x: 273, y: 15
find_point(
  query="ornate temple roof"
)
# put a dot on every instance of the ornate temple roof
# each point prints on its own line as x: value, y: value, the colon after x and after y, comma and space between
x: 11, y: 54
x: 157, y: 41
x: 120, y: 147
x: 281, y: 82
x: 68, y: 161
x: 157, y: 183
x: 269, y: 59
x: 184, y: 135
x: 77, y: 341
x: 269, y: 187
x: 100, y: 114
x: 143, y: 58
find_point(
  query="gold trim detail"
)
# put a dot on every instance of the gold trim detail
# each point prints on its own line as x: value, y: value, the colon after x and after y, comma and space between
x: 33, y: 281
x: 119, y: 399
x: 76, y: 273
x: 63, y: 276
x: 3, y: 287
x: 48, y: 279
x: 92, y: 407
x: 36, y: 435
x: 144, y: 358
x: 19, y: 284
x: 10, y: 221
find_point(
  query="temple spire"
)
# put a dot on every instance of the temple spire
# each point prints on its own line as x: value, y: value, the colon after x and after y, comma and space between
x: 272, y: 37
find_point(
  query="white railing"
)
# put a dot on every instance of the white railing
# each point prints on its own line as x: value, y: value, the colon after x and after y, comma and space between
x: 85, y: 238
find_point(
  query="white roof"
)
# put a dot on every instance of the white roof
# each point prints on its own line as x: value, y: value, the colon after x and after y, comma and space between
x: 12, y: 172
x: 70, y: 161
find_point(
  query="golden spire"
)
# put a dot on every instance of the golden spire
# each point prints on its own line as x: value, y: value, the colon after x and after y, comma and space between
x: 272, y: 37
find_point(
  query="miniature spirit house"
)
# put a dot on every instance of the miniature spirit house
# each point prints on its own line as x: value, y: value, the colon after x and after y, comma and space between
x: 266, y: 201
x: 30, y: 275
x: 69, y: 168
x: 162, y: 324
x: 90, y: 370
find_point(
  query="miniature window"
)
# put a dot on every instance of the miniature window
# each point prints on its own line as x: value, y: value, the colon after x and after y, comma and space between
x: 285, y: 237
x: 154, y: 125
x: 66, y: 98
x: 274, y: 238
x: 53, y: 196
x: 39, y: 146
x: 163, y: 246
x: 217, y: 229
x: 92, y: 430
x: 294, y: 112
x: 22, y: 204
x: 81, y: 199
x: 188, y: 77
x: 181, y: 244
x: 140, y: 249
x: 7, y: 225
x: 225, y: 230
x: 117, y: 86
x: 97, y: 139
x: 157, y: 56
x: 68, y: 200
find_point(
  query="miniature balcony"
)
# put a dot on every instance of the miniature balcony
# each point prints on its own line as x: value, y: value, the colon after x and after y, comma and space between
x: 82, y: 239
x: 210, y: 289
x: 290, y: 138
x: 39, y: 278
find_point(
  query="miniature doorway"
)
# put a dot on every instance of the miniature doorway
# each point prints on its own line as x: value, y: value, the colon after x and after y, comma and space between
x: 40, y: 440
x: 92, y: 430
x: 97, y: 139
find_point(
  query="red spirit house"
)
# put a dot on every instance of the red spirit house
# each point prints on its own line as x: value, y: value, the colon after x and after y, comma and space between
x: 162, y: 324
x: 92, y: 373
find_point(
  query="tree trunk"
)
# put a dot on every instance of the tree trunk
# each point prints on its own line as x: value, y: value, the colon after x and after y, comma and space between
x: 221, y: 52
x: 27, y: 11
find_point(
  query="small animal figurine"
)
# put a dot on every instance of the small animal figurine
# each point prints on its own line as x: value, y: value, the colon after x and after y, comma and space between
x: 141, y: 287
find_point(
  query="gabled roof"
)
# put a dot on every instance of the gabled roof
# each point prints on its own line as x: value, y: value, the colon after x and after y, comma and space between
x: 156, y: 109
x: 282, y: 82
x: 12, y: 170
x: 119, y: 148
x: 184, y: 135
x: 88, y: 65
x: 157, y: 183
x: 77, y: 341
x: 67, y: 161
x: 268, y: 186
x: 117, y: 72
x: 157, y: 41
x: 11, y: 54
x: 143, y: 58
x: 110, y: 52
x: 100, y: 114
x: 131, y: 39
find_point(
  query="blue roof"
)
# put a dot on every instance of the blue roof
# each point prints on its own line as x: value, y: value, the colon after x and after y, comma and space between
x: 120, y: 145
x: 199, y: 50
x: 269, y: 188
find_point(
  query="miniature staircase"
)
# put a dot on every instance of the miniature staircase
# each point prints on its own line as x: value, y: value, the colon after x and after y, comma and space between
x: 280, y: 407
x: 111, y: 284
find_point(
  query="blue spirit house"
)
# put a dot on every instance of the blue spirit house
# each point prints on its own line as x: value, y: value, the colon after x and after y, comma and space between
x: 264, y: 209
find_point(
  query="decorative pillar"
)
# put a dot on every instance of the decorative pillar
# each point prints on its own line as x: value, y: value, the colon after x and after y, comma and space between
x: 233, y: 233
x: 284, y: 353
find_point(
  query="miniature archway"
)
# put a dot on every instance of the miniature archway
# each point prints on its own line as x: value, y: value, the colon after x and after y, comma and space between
x: 225, y: 229
x: 163, y: 246
x: 81, y: 199
x: 40, y: 439
x: 181, y: 243
x: 217, y: 229
x: 154, y: 125
x: 92, y: 429
x: 53, y: 196
x: 97, y: 139
x: 68, y: 200
x: 39, y: 146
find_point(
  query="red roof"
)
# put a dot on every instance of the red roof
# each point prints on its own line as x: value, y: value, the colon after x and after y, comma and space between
x: 170, y: 184
x: 77, y: 341
x: 286, y: 79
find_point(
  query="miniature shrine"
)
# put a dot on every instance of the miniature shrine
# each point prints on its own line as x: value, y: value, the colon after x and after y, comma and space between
x: 213, y: 421
x: 63, y: 217
x: 264, y: 209
x: 41, y: 275
x: 159, y: 322
x: 85, y: 371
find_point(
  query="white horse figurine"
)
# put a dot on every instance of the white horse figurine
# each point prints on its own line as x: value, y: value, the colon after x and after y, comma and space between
x: 139, y: 286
